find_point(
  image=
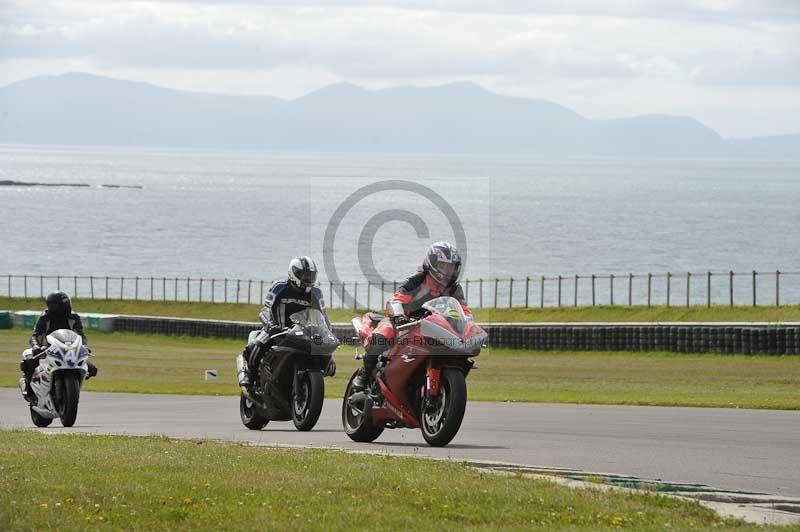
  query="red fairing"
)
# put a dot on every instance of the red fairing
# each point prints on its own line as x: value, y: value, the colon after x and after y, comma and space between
x: 366, y: 327
x: 433, y: 380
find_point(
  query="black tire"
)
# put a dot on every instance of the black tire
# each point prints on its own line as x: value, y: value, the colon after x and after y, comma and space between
x: 40, y: 421
x: 449, y: 415
x: 69, y: 393
x: 250, y: 416
x: 312, y: 387
x: 358, y: 428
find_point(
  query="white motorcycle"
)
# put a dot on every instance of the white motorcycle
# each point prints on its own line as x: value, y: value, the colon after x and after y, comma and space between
x: 57, y: 380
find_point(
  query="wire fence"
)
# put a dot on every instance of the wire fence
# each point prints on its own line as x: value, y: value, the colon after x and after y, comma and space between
x: 688, y: 289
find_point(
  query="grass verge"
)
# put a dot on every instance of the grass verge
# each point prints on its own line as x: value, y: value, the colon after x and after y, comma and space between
x: 245, y: 312
x: 169, y: 364
x: 160, y: 484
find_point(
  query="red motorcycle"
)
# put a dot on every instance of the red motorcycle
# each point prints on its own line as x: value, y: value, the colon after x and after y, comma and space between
x: 421, y: 381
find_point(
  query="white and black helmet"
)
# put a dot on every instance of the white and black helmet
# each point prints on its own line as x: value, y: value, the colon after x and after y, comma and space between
x: 303, y: 273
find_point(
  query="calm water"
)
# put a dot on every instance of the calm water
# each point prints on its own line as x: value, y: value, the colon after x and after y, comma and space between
x: 241, y: 214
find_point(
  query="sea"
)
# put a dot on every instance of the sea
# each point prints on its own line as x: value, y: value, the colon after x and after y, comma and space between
x: 370, y: 217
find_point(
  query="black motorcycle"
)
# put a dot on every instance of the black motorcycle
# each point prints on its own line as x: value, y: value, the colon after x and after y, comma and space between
x: 288, y: 383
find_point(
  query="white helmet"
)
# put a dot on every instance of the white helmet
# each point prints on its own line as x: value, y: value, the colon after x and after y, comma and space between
x: 302, y: 273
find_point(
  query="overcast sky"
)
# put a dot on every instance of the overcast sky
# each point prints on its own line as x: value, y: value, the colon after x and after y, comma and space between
x: 733, y: 64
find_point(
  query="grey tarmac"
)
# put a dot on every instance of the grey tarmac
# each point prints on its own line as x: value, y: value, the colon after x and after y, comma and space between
x: 733, y: 449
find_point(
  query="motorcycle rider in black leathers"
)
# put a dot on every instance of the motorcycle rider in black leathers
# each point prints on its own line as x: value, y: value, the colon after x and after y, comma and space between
x: 58, y: 315
x: 285, y: 297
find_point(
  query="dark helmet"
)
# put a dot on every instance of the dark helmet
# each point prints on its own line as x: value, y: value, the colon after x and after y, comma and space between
x: 302, y: 273
x: 443, y: 264
x: 58, y: 304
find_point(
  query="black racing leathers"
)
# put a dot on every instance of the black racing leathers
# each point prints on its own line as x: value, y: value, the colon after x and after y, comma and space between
x: 48, y: 323
x: 283, y: 300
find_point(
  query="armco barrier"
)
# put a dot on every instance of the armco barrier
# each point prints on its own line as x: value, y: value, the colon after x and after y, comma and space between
x: 747, y: 338
x: 677, y: 337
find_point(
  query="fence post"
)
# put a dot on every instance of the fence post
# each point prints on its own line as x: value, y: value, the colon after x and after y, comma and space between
x: 611, y: 289
x: 649, y: 287
x: 75, y: 286
x: 527, y: 290
x: 466, y: 291
x: 593, y: 300
x: 559, y: 290
x: 541, y: 292
x: 226, y: 290
x: 9, y: 284
x: 496, y: 283
x: 163, y: 289
x: 369, y: 286
x: 261, y: 292
x: 754, y: 287
x: 730, y: 287
x: 151, y: 288
x: 510, y: 292
x: 330, y: 293
x: 630, y: 289
x: 201, y: 291
x: 777, y: 288
x: 188, y: 288
x: 25, y: 286
x: 355, y: 294
x: 688, y: 288
x: 91, y: 286
x: 237, y: 290
x: 480, y: 295
x: 575, y: 293
x: 106, y: 291
x: 121, y: 286
x: 249, y: 289
x: 708, y: 290
x: 212, y: 289
x: 176, y: 289
x: 669, y: 285
x: 342, y: 294
x: 136, y: 289
x: 41, y: 287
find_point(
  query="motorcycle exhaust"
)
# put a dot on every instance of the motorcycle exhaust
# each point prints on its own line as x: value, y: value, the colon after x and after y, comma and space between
x: 241, y: 371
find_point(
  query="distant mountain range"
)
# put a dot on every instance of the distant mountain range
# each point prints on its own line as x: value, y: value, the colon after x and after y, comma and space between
x: 83, y: 109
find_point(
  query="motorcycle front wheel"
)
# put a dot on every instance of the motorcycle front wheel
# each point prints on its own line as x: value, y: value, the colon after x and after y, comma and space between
x: 442, y: 415
x: 356, y: 419
x: 307, y: 400
x: 68, y: 392
x: 250, y: 416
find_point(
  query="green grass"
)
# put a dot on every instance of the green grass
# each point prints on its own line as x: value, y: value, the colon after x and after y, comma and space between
x: 244, y: 312
x: 160, y: 484
x: 169, y: 364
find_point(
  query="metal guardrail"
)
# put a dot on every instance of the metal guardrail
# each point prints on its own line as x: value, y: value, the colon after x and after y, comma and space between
x: 774, y: 288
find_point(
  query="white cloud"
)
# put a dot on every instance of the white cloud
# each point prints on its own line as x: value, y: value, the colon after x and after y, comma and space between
x: 569, y: 51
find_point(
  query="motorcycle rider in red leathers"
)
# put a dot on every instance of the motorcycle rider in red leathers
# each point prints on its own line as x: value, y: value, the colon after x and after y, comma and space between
x: 438, y: 277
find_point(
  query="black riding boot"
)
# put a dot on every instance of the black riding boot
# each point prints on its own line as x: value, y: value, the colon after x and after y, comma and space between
x: 364, y: 377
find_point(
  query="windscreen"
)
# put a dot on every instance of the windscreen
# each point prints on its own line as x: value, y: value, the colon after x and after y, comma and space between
x: 451, y: 309
x: 309, y: 317
x: 65, y: 336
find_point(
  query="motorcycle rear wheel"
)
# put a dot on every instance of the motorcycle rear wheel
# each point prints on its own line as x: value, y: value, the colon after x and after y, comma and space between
x: 442, y: 415
x: 69, y: 392
x: 250, y: 416
x: 358, y: 425
x: 307, y: 401
x: 40, y: 421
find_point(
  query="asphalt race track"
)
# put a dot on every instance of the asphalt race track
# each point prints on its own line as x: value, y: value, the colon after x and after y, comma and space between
x: 749, y: 450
